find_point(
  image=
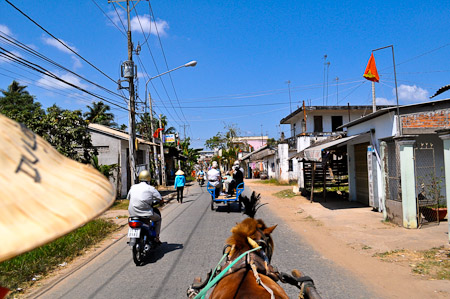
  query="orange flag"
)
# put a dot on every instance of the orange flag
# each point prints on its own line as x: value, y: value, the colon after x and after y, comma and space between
x: 155, y: 135
x: 371, y: 72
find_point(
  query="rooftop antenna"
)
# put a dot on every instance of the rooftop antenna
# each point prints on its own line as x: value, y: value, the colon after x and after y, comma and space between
x: 323, y: 89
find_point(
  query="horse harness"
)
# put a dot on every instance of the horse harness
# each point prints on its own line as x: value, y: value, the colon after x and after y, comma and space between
x: 256, y: 261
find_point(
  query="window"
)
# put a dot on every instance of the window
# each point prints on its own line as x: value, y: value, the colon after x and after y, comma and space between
x: 336, y: 121
x: 140, y: 157
x: 293, y: 130
x: 291, y: 166
x: 318, y: 124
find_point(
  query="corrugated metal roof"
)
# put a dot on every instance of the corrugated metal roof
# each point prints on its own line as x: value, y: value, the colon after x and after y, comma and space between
x: 116, y: 133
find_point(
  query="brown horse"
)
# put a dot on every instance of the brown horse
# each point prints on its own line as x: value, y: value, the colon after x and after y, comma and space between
x: 253, y: 276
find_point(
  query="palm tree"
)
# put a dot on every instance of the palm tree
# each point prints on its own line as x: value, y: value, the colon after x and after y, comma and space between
x: 99, y: 114
x: 17, y: 104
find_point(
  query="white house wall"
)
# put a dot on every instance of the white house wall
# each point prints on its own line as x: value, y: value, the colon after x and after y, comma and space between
x: 326, y: 119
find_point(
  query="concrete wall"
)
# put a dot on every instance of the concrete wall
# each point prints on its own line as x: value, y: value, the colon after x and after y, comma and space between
x: 394, y: 211
x: 283, y: 169
x: 326, y: 119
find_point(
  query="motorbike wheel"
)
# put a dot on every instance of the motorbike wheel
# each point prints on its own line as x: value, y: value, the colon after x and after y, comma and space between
x: 138, y: 256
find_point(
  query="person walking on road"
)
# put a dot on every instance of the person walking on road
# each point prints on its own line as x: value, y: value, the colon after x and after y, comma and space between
x: 180, y: 181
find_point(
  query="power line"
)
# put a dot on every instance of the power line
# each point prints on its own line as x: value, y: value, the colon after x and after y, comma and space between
x: 12, y: 57
x: 165, y: 59
x: 26, y: 48
x: 154, y: 62
x: 106, y: 15
x: 70, y: 49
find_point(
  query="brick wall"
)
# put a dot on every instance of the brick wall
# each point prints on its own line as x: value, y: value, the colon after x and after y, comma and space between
x: 433, y: 119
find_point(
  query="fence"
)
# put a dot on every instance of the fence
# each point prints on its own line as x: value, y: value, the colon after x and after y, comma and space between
x: 428, y: 184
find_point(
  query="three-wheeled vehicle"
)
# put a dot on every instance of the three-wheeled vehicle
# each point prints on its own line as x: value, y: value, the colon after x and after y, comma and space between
x: 224, y: 199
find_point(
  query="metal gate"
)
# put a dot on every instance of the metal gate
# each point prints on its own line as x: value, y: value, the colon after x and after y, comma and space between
x: 393, y: 177
x: 428, y: 184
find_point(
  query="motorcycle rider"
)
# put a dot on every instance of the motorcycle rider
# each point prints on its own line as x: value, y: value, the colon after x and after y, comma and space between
x: 201, y: 175
x: 141, y: 197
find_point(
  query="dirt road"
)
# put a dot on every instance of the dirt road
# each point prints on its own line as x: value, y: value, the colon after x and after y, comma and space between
x: 350, y: 234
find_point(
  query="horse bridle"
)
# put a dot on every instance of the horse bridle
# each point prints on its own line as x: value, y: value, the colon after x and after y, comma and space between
x: 266, y: 248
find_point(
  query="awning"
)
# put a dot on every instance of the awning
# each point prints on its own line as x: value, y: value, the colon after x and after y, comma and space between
x: 314, y: 153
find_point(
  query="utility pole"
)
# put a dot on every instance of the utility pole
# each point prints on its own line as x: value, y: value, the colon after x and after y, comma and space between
x: 128, y: 72
x: 155, y: 155
x: 289, y: 88
x: 323, y: 87
x: 337, y: 90
x: 328, y: 71
x: 163, y: 163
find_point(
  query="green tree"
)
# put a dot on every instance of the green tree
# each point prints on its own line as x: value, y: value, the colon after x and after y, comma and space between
x: 98, y: 114
x: 67, y: 131
x: 190, y: 154
x: 17, y: 104
x: 106, y: 170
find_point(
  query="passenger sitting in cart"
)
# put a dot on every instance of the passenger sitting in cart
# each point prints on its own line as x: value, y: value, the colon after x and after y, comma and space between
x: 214, y: 178
x: 238, y: 178
x: 228, y: 183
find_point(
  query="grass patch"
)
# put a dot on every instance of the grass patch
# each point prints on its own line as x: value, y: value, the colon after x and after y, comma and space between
x: 20, y: 271
x: 433, y: 263
x: 276, y: 183
x: 313, y: 220
x: 120, y: 204
x: 285, y: 194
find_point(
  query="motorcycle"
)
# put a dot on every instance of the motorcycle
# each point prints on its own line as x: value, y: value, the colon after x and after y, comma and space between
x: 200, y: 180
x: 142, y: 234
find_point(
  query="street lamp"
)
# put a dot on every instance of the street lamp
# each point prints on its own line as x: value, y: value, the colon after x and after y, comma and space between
x: 155, y: 158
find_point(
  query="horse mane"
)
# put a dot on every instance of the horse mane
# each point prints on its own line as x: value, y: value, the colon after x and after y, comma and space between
x: 247, y: 228
x: 251, y: 205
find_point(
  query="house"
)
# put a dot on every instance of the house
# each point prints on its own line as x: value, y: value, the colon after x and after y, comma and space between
x: 308, y: 126
x: 262, y: 160
x: 112, y: 146
x: 399, y: 161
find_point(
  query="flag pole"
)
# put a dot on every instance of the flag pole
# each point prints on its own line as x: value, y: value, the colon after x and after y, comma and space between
x: 374, y: 104
x: 399, y: 132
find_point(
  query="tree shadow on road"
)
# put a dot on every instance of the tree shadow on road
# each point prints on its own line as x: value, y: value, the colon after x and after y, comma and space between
x: 159, y: 252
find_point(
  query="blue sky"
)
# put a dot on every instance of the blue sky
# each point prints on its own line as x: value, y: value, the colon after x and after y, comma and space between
x: 246, y: 52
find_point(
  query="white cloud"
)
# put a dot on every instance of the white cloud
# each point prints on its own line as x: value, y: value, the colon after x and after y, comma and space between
x: 76, y: 62
x: 139, y: 24
x: 143, y: 23
x: 6, y: 30
x: 411, y: 93
x: 48, y: 82
x: 384, y: 101
x: 54, y: 43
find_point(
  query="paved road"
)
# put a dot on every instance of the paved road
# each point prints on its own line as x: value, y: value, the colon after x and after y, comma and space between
x: 193, y: 237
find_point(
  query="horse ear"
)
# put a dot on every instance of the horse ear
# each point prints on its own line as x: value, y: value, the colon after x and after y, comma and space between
x: 269, y: 230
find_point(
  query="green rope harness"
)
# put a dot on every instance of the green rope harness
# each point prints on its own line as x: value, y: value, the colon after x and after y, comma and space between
x: 202, y: 293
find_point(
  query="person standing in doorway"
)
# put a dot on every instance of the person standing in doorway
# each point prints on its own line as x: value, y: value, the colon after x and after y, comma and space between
x: 180, y: 181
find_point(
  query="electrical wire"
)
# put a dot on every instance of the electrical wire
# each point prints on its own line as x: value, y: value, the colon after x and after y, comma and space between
x: 21, y: 61
x: 21, y: 46
x: 57, y: 39
x: 106, y: 15
x: 165, y: 59
x: 154, y: 62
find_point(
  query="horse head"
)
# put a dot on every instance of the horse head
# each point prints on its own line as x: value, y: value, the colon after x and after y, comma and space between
x: 249, y: 234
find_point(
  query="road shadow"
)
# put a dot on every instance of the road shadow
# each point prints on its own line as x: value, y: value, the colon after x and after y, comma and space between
x: 339, y: 204
x: 234, y: 207
x: 186, y: 201
x: 159, y: 252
